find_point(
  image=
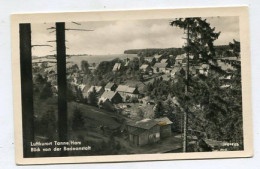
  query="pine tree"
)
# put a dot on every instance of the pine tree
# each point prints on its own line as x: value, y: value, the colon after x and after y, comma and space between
x: 92, y: 98
x: 207, y: 105
x: 46, y: 91
x: 48, y: 125
x: 78, y: 120
x: 85, y: 67
x: 159, y: 110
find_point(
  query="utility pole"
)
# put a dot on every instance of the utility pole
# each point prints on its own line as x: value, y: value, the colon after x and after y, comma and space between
x: 62, y: 83
x: 26, y: 88
x: 185, y: 116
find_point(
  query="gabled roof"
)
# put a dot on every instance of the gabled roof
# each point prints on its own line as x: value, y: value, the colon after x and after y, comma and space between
x: 175, y: 69
x: 116, y: 66
x: 138, y: 131
x: 180, y: 57
x: 156, y: 56
x: 225, y: 66
x: 163, y: 121
x: 148, y: 58
x: 51, y: 69
x: 144, y: 124
x: 109, y: 85
x: 161, y: 65
x: 97, y: 88
x: 108, y: 95
x: 144, y: 66
x: 204, y: 66
x: 124, y: 88
x: 81, y: 87
x: 164, y: 60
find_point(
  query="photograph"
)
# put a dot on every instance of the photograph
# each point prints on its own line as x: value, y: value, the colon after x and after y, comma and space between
x: 126, y: 86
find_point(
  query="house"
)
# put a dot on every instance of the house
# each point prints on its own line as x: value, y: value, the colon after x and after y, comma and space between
x: 145, y: 68
x: 177, y: 70
x: 149, y: 59
x: 160, y: 67
x: 143, y: 132
x: 165, y: 77
x: 168, y: 70
x: 225, y: 65
x: 164, y: 61
x: 157, y: 57
x: 51, y: 69
x: 180, y: 60
x: 174, y: 71
x: 226, y: 81
x: 165, y: 126
x: 116, y: 67
x: 204, y: 69
x: 99, y: 90
x: 113, y: 97
x: 149, y: 131
x: 81, y: 87
x: 238, y: 59
x: 110, y: 87
x: 126, y: 61
x: 92, y: 68
x: 194, y: 70
x: 52, y: 78
x: 147, y: 100
x: 126, y: 91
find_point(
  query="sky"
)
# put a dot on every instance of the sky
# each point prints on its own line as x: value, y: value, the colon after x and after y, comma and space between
x: 113, y: 37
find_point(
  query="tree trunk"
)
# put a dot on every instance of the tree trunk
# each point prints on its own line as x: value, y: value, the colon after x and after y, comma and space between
x: 26, y: 88
x: 185, y: 116
x: 62, y: 83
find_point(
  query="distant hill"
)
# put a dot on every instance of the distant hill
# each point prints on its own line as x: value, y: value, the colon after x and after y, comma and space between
x: 169, y: 51
x: 152, y: 51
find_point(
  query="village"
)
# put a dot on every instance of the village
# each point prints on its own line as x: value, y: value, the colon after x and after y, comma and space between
x: 120, y: 88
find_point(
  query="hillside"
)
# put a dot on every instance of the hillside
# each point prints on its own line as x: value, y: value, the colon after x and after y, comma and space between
x: 153, y: 51
x: 168, y: 51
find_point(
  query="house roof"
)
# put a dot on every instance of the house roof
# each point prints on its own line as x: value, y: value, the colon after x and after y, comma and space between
x: 109, y: 85
x: 224, y: 66
x: 138, y: 131
x: 51, y: 68
x: 231, y: 58
x: 149, y: 58
x: 97, y: 88
x: 180, y: 57
x: 157, y: 56
x: 175, y: 69
x: 116, y: 66
x: 161, y: 65
x: 144, y: 124
x: 204, y: 66
x: 124, y: 88
x: 108, y: 95
x: 144, y: 66
x: 163, y: 121
x: 164, y: 60
x: 81, y: 87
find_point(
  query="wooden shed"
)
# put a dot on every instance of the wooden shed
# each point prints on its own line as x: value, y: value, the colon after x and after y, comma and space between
x: 143, y: 132
x: 165, y: 126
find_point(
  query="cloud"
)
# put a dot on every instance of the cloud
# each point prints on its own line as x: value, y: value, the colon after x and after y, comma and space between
x: 112, y: 37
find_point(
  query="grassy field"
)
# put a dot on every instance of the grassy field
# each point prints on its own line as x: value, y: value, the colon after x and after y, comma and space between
x: 111, y: 140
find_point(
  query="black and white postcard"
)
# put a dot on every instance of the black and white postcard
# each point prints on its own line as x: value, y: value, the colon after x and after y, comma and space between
x: 132, y: 85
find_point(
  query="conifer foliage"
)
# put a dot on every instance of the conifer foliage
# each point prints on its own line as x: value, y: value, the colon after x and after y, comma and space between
x: 214, y: 105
